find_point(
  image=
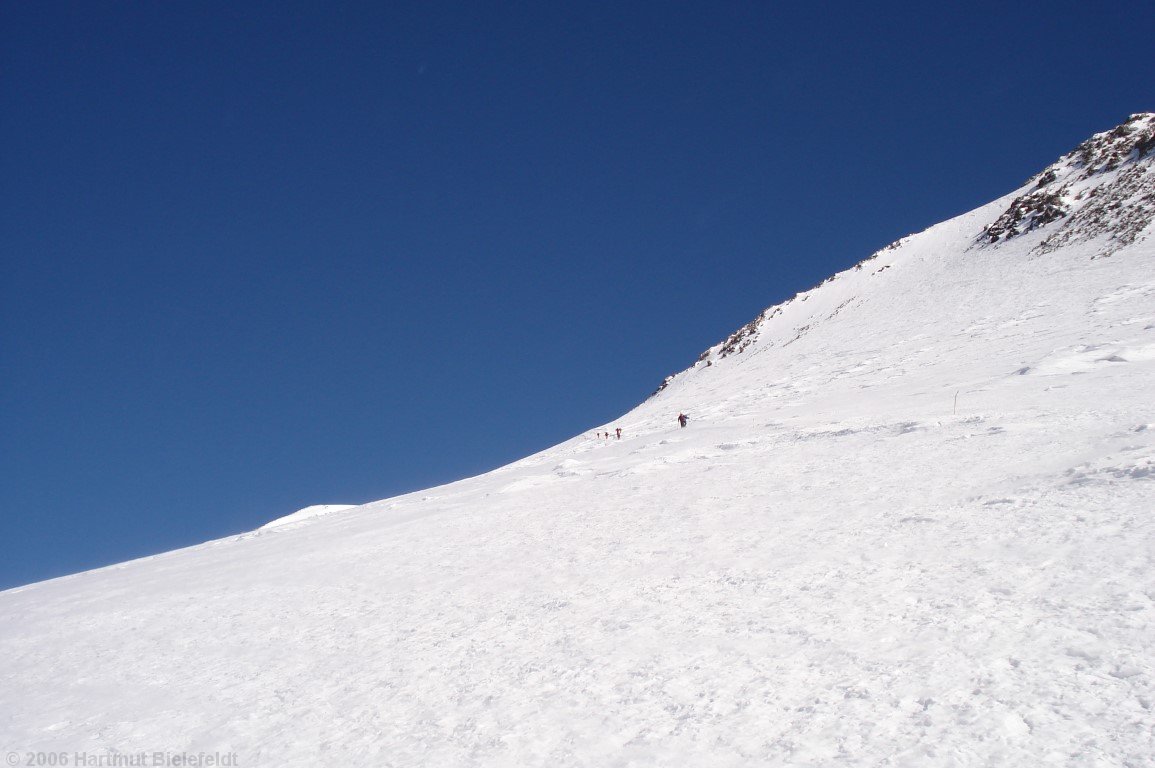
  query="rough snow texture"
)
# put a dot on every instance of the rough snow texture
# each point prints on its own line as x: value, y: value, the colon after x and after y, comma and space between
x: 911, y: 524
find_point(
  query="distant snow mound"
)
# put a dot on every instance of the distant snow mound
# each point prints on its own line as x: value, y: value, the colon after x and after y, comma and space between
x: 316, y: 510
x: 1104, y: 188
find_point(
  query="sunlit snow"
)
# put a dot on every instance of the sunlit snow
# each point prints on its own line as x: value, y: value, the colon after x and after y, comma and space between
x: 910, y: 524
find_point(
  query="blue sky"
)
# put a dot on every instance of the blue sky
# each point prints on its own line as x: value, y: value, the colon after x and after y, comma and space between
x: 256, y: 256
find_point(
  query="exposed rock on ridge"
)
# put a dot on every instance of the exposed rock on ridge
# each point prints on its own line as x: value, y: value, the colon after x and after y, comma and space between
x: 1104, y: 188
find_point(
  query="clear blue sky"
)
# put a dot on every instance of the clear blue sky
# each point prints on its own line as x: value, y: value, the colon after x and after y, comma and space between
x: 261, y: 255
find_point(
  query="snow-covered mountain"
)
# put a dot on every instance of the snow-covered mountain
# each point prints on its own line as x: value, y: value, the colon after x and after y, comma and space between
x: 911, y: 522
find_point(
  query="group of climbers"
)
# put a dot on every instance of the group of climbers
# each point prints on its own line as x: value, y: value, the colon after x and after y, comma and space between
x: 682, y: 420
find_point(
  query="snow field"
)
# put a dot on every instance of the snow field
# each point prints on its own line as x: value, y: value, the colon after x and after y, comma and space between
x: 910, y: 525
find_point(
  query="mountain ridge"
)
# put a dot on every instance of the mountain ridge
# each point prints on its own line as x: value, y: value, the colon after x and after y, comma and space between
x: 1102, y: 187
x: 908, y: 524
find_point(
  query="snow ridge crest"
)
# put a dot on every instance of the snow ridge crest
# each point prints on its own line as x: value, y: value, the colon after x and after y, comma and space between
x: 1103, y: 189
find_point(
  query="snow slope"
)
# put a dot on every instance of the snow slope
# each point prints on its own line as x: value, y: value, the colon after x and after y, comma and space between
x: 910, y: 524
x: 308, y: 513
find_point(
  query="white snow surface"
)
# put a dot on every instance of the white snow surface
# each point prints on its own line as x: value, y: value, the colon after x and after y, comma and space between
x: 910, y: 525
x: 316, y: 510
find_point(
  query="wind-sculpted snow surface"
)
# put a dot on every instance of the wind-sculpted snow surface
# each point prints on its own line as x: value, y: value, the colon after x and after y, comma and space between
x: 909, y: 524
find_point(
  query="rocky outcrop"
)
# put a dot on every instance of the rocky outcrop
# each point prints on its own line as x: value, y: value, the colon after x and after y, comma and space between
x: 1102, y: 190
